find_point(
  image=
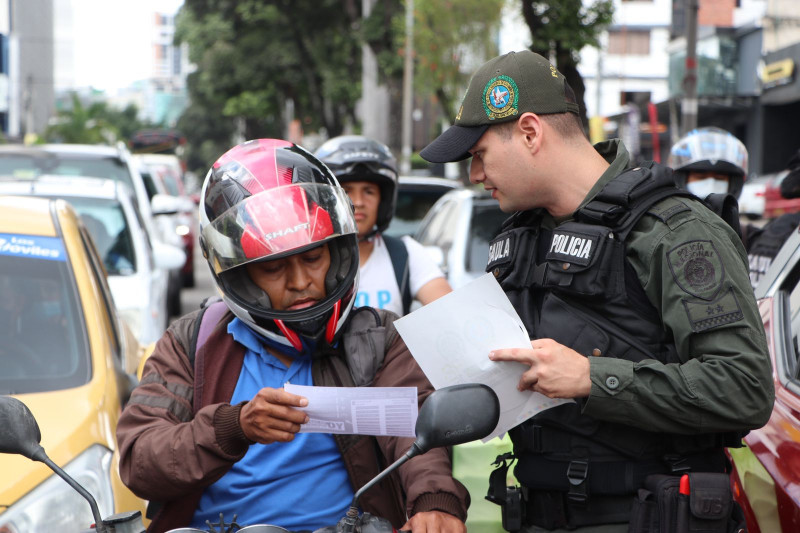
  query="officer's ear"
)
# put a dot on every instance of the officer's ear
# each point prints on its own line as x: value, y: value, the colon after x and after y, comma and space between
x: 531, y: 126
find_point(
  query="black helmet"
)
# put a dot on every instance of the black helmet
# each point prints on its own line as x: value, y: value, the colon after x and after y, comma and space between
x: 266, y: 199
x: 358, y: 158
x: 710, y: 149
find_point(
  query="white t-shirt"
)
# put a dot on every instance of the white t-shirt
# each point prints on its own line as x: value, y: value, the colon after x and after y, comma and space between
x: 377, y: 285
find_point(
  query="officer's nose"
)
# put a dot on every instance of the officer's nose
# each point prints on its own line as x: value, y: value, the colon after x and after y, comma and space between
x: 476, y: 171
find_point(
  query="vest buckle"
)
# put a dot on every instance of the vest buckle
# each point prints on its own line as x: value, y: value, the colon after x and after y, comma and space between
x: 577, y: 472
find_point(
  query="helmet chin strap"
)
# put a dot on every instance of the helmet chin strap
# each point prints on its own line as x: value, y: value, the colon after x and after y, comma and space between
x: 330, y: 328
x: 293, y: 337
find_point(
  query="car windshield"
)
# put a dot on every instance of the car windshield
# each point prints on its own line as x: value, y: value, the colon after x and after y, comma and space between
x: 109, y: 229
x: 23, y: 166
x: 44, y: 345
x: 413, y: 204
x: 484, y: 226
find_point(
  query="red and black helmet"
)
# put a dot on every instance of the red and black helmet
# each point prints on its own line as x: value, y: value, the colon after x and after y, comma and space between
x: 265, y: 199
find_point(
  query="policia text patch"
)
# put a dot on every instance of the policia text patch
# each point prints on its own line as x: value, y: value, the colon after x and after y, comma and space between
x: 572, y: 247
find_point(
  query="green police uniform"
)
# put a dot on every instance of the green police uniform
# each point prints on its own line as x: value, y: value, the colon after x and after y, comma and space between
x: 647, y: 283
x: 720, y: 343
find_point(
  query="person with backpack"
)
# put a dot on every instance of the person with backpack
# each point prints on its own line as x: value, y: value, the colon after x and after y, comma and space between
x: 210, y: 430
x: 638, y: 304
x: 367, y: 170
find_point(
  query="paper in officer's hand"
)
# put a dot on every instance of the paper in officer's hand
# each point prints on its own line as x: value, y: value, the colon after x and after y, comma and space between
x: 451, y: 338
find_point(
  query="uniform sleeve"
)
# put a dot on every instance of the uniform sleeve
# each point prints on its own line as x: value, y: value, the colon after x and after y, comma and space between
x: 422, y: 268
x: 165, y: 450
x: 427, y: 479
x: 693, y: 269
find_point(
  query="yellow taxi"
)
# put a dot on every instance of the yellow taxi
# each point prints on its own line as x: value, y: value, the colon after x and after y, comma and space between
x: 66, y: 354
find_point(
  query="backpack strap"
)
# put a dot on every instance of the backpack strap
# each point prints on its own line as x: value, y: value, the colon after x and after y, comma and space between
x: 727, y: 208
x: 398, y: 253
x: 207, y: 320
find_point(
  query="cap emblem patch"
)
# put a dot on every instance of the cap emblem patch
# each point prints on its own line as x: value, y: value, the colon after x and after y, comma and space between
x: 500, y: 97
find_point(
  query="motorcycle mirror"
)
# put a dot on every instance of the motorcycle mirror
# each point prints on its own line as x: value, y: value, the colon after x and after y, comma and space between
x: 21, y: 436
x: 455, y: 415
x: 450, y: 415
x: 20, y: 433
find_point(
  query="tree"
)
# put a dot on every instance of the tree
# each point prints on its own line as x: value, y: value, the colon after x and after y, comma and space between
x: 564, y: 27
x: 253, y: 57
x: 446, y: 32
x: 96, y: 124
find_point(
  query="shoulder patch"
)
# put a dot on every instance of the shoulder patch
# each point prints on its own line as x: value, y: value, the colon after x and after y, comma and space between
x: 697, y: 268
x: 704, y: 315
x: 667, y: 209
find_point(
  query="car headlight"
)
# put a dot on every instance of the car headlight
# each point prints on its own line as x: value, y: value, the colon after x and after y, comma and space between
x: 182, y: 229
x: 55, y: 506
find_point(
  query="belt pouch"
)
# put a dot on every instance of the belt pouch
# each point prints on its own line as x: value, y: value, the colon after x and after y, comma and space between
x: 710, y: 502
x: 655, y: 507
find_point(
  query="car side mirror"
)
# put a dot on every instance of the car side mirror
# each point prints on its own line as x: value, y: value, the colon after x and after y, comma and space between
x: 168, y: 257
x: 162, y: 204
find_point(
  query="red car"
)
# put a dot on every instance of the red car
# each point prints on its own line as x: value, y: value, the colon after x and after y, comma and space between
x: 766, y: 476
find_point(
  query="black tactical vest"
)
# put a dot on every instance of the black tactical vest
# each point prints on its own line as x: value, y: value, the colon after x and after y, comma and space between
x: 765, y: 243
x: 573, y: 284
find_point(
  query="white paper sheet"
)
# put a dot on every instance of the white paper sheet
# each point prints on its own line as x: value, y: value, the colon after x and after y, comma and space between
x: 388, y: 411
x: 451, y: 339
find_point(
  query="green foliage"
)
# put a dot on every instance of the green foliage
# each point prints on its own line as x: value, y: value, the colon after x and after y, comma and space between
x: 563, y: 27
x: 96, y: 124
x: 446, y: 32
x: 253, y: 56
x: 566, y: 24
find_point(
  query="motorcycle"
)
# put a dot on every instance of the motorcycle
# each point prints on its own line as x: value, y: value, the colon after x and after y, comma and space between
x: 451, y: 415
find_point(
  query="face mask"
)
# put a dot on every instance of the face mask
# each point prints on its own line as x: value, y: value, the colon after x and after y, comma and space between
x: 703, y: 188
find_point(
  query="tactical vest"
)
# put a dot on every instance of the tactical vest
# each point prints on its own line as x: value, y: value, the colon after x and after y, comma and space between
x: 574, y: 284
x: 766, y: 242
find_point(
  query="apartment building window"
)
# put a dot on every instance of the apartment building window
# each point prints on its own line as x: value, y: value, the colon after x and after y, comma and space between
x: 629, y: 42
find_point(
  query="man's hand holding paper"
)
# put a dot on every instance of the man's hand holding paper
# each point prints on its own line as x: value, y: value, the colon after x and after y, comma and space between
x: 451, y: 339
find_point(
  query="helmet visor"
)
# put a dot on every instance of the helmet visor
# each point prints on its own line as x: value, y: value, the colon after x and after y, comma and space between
x: 278, y: 222
x: 713, y: 146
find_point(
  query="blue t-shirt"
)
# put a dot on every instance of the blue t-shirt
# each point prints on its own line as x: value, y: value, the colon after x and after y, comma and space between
x: 302, y: 484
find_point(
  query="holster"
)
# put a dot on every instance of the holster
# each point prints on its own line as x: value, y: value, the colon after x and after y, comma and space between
x: 709, y: 507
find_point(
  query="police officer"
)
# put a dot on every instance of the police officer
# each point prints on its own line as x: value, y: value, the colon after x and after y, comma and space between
x: 636, y: 297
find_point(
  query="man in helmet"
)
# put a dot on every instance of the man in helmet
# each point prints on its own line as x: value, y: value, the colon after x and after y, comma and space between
x: 210, y: 428
x: 367, y: 170
x: 636, y: 299
x: 711, y: 163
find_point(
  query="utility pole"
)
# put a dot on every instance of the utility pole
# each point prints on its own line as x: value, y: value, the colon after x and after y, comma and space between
x: 689, y: 105
x: 408, y: 89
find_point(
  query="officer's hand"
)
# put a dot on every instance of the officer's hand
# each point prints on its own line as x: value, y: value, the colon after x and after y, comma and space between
x: 434, y: 522
x: 269, y: 417
x: 555, y: 370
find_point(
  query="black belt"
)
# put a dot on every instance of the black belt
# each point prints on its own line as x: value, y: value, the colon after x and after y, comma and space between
x: 554, y: 509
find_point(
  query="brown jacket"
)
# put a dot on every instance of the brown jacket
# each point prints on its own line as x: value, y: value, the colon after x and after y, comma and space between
x: 170, y: 449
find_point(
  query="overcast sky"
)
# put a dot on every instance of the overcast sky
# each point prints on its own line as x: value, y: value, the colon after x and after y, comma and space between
x: 113, y: 40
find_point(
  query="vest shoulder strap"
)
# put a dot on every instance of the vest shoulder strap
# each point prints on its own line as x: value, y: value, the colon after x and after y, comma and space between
x: 398, y: 253
x: 625, y: 199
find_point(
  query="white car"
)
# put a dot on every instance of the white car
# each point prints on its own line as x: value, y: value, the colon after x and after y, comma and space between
x: 457, y: 231
x: 135, y: 265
